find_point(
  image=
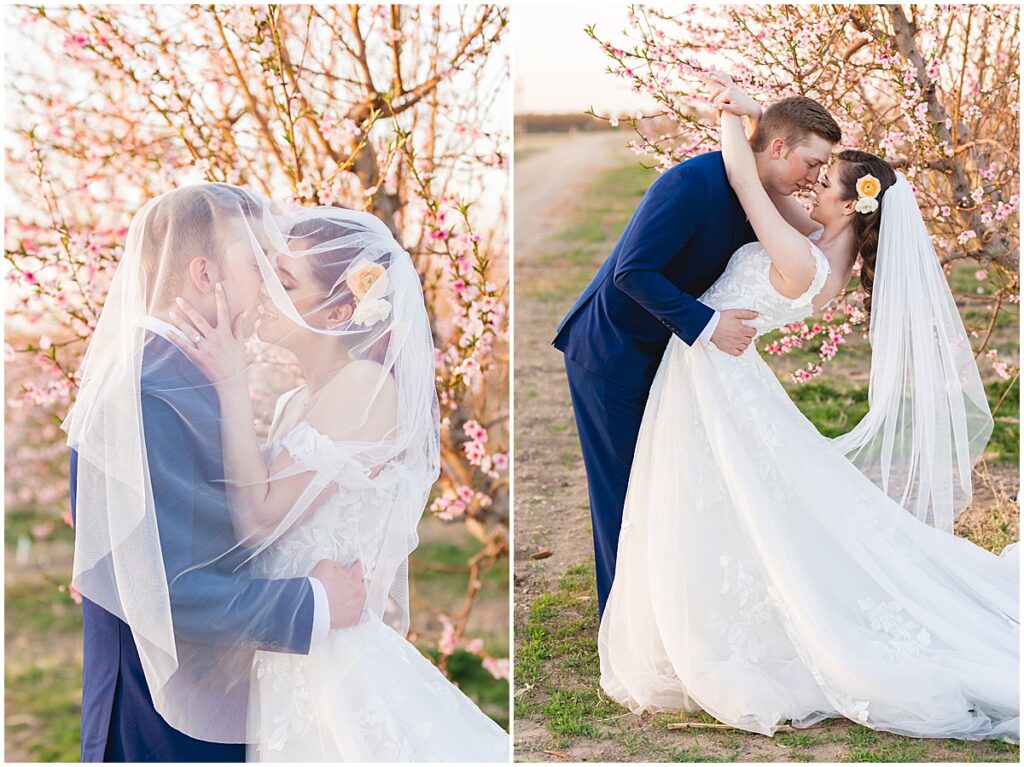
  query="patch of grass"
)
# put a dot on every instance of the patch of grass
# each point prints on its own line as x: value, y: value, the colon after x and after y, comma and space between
x: 43, y: 673
x: 48, y: 702
x: 569, y: 713
x: 18, y: 524
x: 798, y: 739
x: 868, y: 746
x: 606, y: 207
x: 833, y: 410
x: 1005, y: 442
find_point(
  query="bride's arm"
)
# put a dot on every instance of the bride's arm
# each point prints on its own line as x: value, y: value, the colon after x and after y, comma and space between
x: 257, y: 504
x: 786, y: 246
x: 734, y: 99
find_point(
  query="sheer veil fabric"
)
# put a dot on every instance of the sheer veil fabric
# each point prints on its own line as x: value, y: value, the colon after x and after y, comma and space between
x: 383, y: 438
x: 928, y: 420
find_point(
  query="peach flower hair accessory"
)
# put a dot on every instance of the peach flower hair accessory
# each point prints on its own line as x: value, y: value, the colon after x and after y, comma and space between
x: 868, y: 188
x: 366, y: 277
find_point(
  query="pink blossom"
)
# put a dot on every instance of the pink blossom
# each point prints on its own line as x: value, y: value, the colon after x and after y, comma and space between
x: 498, y: 668
x: 448, y: 643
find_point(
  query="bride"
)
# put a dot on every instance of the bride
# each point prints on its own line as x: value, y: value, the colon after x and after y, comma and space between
x: 345, y: 474
x: 219, y: 555
x: 767, y: 574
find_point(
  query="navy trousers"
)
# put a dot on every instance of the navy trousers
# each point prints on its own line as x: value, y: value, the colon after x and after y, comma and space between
x: 608, y: 417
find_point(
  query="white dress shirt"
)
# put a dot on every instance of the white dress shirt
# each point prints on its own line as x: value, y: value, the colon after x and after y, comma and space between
x: 709, y: 329
x: 321, y: 607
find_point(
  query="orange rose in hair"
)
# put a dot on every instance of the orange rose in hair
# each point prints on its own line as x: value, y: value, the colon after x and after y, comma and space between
x: 363, y: 276
x: 868, y: 186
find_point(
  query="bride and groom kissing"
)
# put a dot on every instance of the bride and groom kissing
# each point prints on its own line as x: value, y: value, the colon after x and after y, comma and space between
x: 746, y: 564
x: 247, y: 598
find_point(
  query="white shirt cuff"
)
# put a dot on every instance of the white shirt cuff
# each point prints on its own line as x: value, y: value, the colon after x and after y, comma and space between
x: 321, y: 611
x: 709, y: 329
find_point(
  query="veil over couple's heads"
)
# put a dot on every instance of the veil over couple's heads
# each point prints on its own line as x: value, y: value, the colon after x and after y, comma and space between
x: 193, y: 237
x: 324, y: 284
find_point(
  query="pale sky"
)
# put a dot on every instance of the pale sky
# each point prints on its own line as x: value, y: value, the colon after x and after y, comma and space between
x: 558, y: 69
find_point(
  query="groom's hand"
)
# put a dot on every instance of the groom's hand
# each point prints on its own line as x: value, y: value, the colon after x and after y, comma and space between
x: 346, y: 591
x: 732, y: 336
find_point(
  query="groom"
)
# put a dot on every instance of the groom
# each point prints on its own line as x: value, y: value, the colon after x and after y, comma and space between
x: 675, y: 246
x: 221, y: 602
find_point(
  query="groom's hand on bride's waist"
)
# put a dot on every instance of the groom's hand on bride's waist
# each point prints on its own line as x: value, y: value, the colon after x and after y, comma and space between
x: 346, y: 590
x: 732, y: 335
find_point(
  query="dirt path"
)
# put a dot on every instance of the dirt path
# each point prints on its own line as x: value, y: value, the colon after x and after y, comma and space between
x: 552, y: 171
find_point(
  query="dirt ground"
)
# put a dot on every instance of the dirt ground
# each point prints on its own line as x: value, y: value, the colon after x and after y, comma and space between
x: 561, y: 713
x: 552, y: 172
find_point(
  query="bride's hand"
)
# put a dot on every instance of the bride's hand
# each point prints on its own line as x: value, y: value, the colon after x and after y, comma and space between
x: 218, y: 351
x: 730, y: 98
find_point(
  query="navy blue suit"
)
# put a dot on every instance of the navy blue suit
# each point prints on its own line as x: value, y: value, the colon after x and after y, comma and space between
x: 214, y: 601
x: 675, y: 246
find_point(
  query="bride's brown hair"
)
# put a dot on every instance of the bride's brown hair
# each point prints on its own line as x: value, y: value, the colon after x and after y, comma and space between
x: 856, y: 165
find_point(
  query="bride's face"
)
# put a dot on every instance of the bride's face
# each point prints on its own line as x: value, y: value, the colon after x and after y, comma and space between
x: 307, y: 294
x: 829, y: 206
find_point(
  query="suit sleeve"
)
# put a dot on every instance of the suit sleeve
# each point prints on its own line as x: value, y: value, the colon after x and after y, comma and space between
x: 668, y: 216
x: 215, y: 602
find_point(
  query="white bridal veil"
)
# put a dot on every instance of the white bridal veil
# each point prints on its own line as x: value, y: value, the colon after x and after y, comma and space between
x: 158, y: 521
x: 929, y: 419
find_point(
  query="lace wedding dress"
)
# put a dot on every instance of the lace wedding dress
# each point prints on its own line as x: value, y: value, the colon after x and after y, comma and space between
x: 364, y: 694
x: 762, y: 578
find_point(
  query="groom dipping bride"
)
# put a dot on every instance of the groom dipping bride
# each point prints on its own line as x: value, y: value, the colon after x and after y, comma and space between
x: 747, y: 565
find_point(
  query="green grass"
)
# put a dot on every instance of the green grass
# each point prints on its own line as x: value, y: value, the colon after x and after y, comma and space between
x: 557, y: 679
x: 445, y: 591
x: 606, y: 209
x: 42, y: 675
x: 835, y: 408
x: 49, y: 704
x: 43, y: 633
x: 832, y: 408
x: 18, y: 524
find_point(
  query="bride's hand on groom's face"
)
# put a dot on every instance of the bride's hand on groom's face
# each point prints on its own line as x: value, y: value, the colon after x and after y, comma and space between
x: 218, y: 351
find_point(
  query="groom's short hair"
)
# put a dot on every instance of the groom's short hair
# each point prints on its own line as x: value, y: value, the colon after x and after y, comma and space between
x: 793, y: 119
x: 181, y: 226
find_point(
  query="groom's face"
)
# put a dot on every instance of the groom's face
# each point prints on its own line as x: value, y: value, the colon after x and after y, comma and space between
x: 241, y: 280
x: 798, y: 167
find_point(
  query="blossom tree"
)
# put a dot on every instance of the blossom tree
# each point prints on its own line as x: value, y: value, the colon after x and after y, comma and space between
x: 396, y: 110
x: 933, y: 89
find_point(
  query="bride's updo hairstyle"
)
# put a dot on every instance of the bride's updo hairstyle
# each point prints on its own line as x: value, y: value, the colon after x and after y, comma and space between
x: 856, y: 165
x: 328, y: 262
x: 333, y: 249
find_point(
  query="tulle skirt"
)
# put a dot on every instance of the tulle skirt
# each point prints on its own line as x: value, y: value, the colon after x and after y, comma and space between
x: 762, y: 578
x: 365, y: 694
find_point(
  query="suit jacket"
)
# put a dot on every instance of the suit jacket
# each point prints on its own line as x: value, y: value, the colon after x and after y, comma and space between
x: 214, y: 597
x: 675, y: 246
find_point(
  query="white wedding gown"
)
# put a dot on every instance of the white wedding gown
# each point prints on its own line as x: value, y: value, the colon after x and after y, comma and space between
x: 365, y: 694
x: 762, y: 578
